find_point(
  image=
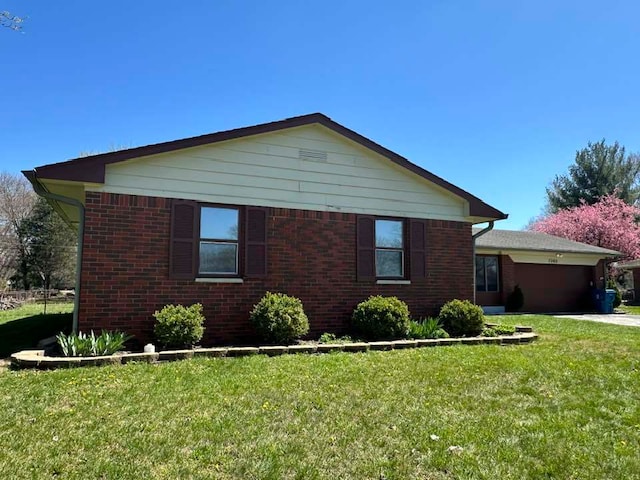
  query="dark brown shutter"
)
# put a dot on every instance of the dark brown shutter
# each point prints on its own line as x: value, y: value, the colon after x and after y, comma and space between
x: 366, y: 249
x: 184, y: 239
x: 418, y: 248
x: 256, y: 240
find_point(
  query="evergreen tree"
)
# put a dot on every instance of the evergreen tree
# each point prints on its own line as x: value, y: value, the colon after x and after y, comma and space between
x: 50, y: 248
x: 599, y: 170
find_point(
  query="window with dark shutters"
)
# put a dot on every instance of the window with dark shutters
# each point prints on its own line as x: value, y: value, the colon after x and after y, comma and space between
x: 366, y: 248
x: 390, y: 248
x: 256, y: 242
x: 418, y: 248
x: 184, y: 239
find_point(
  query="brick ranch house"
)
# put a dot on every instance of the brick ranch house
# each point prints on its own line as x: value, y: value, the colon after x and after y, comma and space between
x: 303, y: 206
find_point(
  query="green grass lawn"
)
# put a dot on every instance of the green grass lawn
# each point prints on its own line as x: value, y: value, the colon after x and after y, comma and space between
x: 632, y: 309
x: 566, y: 407
x: 23, y: 327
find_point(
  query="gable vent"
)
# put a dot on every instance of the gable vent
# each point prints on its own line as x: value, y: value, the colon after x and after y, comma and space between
x: 312, y: 155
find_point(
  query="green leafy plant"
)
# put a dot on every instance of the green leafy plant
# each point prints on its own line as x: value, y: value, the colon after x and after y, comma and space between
x: 380, y: 318
x: 497, y: 330
x: 504, y: 329
x: 178, y: 326
x: 426, y: 328
x: 462, y: 318
x: 91, y: 345
x: 489, y: 332
x: 515, y: 300
x: 327, y: 338
x: 332, y: 338
x: 279, y: 318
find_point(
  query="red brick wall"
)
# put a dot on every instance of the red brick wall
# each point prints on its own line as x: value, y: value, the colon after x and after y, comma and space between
x: 310, y: 255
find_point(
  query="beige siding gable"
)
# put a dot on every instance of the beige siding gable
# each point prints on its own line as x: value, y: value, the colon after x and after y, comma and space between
x: 308, y: 167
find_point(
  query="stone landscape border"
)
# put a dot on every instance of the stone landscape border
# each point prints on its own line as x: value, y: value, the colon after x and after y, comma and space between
x: 37, y: 358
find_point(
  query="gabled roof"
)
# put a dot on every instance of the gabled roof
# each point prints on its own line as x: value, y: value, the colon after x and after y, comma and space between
x: 535, y: 241
x: 92, y: 169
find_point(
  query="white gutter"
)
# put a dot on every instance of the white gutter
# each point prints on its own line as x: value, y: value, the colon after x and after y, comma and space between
x: 40, y: 190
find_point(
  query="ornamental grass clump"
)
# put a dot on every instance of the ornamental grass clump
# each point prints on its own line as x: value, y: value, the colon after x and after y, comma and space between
x: 426, y: 328
x: 279, y: 318
x: 381, y: 318
x: 91, y: 345
x: 178, y: 326
x: 462, y: 318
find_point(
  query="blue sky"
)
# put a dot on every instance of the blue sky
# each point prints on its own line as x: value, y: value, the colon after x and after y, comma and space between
x: 494, y: 96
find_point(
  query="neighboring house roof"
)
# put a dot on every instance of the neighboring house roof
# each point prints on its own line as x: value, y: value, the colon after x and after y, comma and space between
x: 630, y: 265
x: 91, y: 169
x: 535, y: 241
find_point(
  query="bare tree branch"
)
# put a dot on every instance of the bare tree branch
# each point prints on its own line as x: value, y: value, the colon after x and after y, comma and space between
x: 17, y: 199
x: 10, y: 21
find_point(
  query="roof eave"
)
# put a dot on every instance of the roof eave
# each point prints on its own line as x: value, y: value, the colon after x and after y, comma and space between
x: 32, y: 176
x: 610, y: 253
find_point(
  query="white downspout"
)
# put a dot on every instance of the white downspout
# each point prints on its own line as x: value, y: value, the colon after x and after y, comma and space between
x: 473, y: 238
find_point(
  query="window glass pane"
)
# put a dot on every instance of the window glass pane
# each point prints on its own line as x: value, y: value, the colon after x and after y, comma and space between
x: 389, y: 233
x: 218, y: 257
x: 480, y: 285
x: 388, y: 263
x: 491, y: 265
x: 219, y: 223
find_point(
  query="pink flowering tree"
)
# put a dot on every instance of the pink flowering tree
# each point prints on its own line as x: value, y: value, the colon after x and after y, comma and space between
x: 608, y: 223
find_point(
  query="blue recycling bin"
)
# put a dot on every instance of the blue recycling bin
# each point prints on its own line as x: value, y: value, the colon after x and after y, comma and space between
x: 599, y: 299
x: 610, y: 297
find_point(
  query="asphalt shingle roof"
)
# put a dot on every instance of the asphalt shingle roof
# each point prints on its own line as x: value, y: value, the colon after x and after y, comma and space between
x: 527, y: 240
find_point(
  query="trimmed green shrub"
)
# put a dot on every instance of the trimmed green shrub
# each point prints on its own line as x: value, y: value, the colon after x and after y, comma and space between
x: 611, y: 284
x: 279, y: 318
x: 426, y: 328
x: 381, y: 318
x: 515, y: 300
x: 462, y: 318
x: 178, y: 326
x: 92, y: 345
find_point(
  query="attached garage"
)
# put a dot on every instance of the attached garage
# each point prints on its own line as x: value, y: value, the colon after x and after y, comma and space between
x: 554, y: 274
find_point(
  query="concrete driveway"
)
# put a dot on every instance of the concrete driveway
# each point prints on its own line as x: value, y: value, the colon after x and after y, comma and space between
x: 614, y: 318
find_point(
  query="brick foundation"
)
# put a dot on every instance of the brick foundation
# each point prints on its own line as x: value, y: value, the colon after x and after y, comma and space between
x: 125, y: 270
